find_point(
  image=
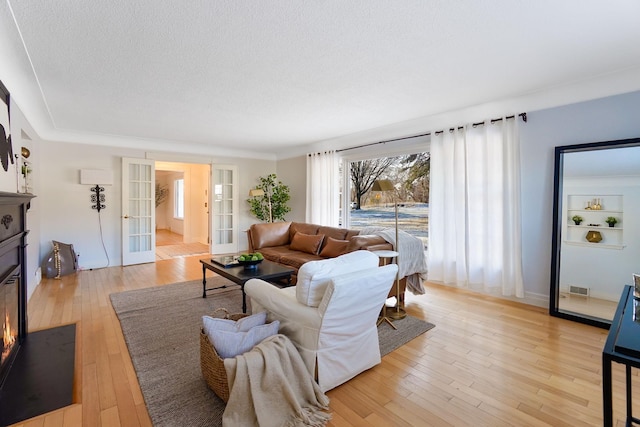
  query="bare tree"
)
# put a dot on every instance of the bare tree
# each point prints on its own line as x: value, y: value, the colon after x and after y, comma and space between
x: 417, y: 181
x: 365, y: 172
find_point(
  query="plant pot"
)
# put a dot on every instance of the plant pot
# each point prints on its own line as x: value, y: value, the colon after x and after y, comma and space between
x: 577, y: 222
x: 611, y: 225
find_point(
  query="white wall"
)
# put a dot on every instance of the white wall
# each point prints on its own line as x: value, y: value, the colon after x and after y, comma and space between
x: 164, y: 210
x: 293, y: 172
x: 176, y: 225
x: 67, y: 215
x: 603, y: 119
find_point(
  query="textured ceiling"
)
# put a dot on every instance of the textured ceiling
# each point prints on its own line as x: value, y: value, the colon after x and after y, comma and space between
x: 267, y: 76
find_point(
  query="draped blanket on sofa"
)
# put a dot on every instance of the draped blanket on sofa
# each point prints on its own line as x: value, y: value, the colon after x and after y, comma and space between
x: 412, y: 261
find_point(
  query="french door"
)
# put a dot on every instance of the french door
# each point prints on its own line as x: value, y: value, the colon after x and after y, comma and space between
x: 224, y: 239
x: 138, y: 211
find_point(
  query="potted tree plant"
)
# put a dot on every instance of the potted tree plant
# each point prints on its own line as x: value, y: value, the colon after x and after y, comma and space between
x: 611, y: 220
x: 577, y: 219
x: 270, y: 203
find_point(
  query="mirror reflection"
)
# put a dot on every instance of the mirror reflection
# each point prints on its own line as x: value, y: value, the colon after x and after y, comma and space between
x: 598, y: 242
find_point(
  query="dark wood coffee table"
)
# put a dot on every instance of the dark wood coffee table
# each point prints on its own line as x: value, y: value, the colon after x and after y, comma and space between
x: 266, y: 270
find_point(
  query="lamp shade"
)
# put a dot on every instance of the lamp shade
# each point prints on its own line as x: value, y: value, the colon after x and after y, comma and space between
x: 382, y: 185
x: 256, y: 192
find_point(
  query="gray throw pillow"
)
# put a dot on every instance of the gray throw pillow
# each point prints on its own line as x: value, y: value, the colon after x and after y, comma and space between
x: 242, y: 325
x: 231, y: 344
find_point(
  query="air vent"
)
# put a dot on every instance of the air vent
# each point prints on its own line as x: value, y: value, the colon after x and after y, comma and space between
x: 579, y: 290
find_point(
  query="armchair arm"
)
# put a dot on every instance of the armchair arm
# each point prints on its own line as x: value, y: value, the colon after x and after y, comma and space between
x: 280, y: 304
x: 297, y: 321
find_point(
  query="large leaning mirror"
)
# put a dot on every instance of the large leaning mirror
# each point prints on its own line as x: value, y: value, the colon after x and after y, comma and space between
x: 596, y: 228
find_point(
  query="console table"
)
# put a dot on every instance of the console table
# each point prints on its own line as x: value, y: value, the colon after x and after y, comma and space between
x: 622, y: 346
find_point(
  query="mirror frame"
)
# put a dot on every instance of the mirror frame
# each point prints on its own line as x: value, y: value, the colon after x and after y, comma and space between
x: 556, y: 239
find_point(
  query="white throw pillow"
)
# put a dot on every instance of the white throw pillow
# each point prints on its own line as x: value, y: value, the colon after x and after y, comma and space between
x: 231, y: 344
x: 315, y: 276
x: 242, y: 325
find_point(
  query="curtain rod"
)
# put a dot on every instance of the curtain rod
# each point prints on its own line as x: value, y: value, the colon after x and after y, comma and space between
x: 523, y: 115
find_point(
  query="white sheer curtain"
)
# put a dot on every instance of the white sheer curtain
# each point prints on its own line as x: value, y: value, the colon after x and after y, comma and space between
x: 474, y: 216
x: 323, y: 188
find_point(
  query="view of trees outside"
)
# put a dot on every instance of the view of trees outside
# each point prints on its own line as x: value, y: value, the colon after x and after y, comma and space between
x: 410, y: 176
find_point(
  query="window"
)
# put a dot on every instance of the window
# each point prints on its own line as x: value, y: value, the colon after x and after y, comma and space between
x: 410, y: 176
x: 178, y: 198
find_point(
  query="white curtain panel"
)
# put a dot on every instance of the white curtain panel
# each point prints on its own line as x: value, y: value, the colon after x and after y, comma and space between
x: 323, y: 185
x: 474, y: 218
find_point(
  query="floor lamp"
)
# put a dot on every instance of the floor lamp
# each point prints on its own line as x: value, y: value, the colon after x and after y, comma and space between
x: 385, y: 185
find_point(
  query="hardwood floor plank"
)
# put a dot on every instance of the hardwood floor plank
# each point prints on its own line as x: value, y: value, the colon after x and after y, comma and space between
x: 109, y: 417
x: 72, y: 416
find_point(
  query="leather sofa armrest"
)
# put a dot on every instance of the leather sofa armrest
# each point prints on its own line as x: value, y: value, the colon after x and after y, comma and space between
x: 369, y: 242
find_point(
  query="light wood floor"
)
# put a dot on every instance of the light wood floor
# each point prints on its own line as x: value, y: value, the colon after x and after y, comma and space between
x: 588, y: 306
x: 171, y: 245
x: 488, y: 362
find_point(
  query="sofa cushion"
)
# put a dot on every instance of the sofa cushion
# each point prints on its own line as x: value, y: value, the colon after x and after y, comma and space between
x: 269, y: 234
x: 334, y: 247
x: 274, y: 253
x: 298, y: 259
x: 315, y: 276
x: 351, y: 233
x: 306, y: 243
x: 301, y: 227
x: 336, y: 233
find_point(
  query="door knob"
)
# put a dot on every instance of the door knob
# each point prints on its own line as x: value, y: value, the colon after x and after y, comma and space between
x: 126, y: 217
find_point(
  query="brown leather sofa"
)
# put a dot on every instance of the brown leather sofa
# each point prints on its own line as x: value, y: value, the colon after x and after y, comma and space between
x: 278, y: 243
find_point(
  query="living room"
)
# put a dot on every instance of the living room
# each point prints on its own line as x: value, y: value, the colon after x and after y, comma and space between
x: 597, y: 104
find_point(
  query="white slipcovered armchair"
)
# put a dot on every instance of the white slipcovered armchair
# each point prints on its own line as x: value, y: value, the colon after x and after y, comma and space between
x: 331, y: 314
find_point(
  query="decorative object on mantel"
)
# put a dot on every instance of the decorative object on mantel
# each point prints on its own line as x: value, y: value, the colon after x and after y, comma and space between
x: 6, y: 148
x: 593, y: 236
x: 577, y: 219
x: 26, y: 170
x: 611, y: 220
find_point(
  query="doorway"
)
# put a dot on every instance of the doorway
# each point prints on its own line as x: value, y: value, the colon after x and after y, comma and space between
x: 182, y: 209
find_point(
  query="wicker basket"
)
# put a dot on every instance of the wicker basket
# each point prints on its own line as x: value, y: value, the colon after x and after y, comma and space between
x: 211, y: 364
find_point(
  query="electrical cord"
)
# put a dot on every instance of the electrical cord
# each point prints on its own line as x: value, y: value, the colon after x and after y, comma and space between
x: 102, y: 240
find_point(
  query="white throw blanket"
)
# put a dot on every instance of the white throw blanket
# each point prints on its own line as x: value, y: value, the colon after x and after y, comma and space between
x: 271, y: 386
x: 412, y: 262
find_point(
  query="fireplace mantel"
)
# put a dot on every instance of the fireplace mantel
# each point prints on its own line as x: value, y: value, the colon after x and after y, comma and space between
x: 13, y: 286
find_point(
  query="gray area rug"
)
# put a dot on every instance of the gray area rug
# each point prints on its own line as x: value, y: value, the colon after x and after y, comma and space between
x: 161, y: 327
